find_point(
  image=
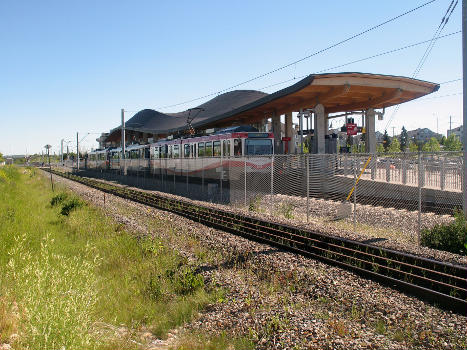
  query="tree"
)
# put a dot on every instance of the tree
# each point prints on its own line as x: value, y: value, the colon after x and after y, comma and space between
x: 379, y: 148
x: 452, y: 143
x: 413, y: 147
x: 403, y: 139
x: 432, y: 145
x: 1, y: 157
x: 443, y: 140
x: 386, y: 141
x: 395, y: 146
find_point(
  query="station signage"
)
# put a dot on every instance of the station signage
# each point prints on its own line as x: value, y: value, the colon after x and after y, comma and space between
x: 351, y: 129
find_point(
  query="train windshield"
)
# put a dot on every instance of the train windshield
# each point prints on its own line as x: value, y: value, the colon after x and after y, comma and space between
x: 258, y: 146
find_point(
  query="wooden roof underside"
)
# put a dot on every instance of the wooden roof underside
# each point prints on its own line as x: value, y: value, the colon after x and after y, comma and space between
x: 341, y: 93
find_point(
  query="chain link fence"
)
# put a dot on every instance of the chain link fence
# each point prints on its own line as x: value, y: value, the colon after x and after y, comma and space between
x: 388, y: 196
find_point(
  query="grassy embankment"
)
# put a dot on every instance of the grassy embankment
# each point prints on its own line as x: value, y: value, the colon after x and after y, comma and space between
x: 70, y: 278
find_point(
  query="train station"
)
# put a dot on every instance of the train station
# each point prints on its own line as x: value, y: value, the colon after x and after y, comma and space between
x: 319, y: 97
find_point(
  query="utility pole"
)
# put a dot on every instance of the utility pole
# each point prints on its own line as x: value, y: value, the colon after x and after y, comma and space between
x: 48, y: 147
x: 77, y: 151
x: 450, y: 128
x: 123, y: 141
x: 393, y: 131
x: 61, y: 151
x: 464, y: 98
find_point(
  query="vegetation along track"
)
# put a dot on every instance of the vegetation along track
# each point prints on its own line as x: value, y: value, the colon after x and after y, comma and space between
x: 441, y: 283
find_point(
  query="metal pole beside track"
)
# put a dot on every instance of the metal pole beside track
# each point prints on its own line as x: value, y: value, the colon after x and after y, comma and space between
x: 419, y: 198
x: 355, y: 195
x: 221, y: 179
x: 77, y: 152
x: 244, y: 185
x: 272, y: 185
x: 464, y: 99
x: 307, y: 160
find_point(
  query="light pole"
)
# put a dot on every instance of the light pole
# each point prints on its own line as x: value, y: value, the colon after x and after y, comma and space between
x: 48, y: 147
x: 464, y: 98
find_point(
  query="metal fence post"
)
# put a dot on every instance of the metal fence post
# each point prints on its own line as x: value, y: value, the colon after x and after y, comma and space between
x: 244, y: 184
x: 373, y: 165
x: 221, y: 176
x: 272, y: 185
x: 404, y: 170
x: 188, y: 167
x: 307, y: 159
x: 202, y: 176
x: 355, y: 195
x: 388, y: 170
x: 420, y: 175
x: 346, y: 164
x: 442, y: 173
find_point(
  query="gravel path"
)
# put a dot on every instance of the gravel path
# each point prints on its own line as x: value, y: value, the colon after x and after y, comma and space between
x: 286, y: 301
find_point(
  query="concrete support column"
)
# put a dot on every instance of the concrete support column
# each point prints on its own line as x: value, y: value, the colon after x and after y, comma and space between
x: 289, y: 132
x: 276, y: 129
x: 370, y: 136
x: 370, y: 139
x: 319, y: 129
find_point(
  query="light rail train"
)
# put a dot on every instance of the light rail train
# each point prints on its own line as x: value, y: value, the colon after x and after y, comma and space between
x: 194, y: 156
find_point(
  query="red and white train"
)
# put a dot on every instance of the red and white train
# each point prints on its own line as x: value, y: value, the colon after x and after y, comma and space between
x: 194, y: 156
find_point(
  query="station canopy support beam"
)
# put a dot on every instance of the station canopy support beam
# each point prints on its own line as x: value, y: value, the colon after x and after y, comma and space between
x: 370, y: 135
x: 319, y: 129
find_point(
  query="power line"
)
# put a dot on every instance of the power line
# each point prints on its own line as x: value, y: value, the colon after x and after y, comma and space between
x: 304, y: 58
x: 367, y: 58
x: 427, y: 52
x: 450, y: 81
x: 430, y: 98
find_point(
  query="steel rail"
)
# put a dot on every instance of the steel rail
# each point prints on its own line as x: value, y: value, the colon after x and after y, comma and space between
x: 438, y: 282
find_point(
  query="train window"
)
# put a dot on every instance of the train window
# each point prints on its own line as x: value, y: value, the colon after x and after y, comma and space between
x: 169, y: 153
x: 176, y: 151
x: 237, y: 147
x: 226, y: 148
x: 192, y: 150
x: 116, y: 155
x: 164, y: 151
x: 186, y: 151
x: 216, y: 148
x: 258, y: 146
x: 200, y: 149
x: 155, y: 153
x: 208, y: 149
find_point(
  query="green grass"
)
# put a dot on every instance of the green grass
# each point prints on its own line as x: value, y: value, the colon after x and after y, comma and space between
x: 65, y: 269
x: 223, y: 341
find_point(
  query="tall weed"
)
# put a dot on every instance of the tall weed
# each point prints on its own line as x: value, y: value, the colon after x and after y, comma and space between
x: 57, y: 296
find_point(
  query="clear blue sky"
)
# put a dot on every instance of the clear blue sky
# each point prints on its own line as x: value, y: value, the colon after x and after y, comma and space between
x: 68, y: 66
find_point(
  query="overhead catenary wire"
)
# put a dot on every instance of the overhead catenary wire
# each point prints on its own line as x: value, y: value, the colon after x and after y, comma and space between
x: 367, y: 58
x: 427, y: 52
x: 304, y: 58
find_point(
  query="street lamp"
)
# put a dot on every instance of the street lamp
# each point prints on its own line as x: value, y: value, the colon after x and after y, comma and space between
x: 48, y: 147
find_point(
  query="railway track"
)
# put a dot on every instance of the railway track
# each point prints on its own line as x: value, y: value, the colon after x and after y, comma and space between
x: 440, y: 283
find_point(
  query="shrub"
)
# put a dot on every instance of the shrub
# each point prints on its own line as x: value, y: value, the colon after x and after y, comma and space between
x: 254, y: 203
x: 69, y: 206
x: 58, y: 199
x: 187, y: 281
x: 451, y: 238
x: 287, y: 210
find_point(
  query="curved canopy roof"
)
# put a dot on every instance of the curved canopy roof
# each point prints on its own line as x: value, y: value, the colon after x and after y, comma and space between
x: 337, y: 92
